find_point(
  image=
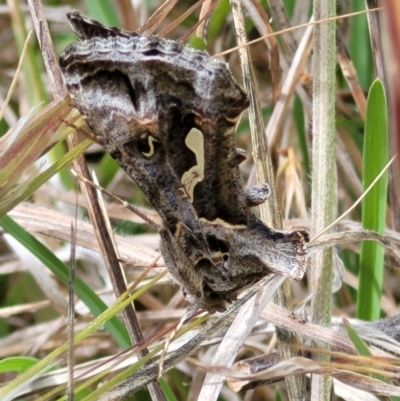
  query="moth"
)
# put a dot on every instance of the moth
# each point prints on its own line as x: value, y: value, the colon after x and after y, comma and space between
x: 167, y: 114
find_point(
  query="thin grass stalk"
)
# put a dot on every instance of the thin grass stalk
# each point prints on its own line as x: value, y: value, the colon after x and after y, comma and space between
x: 323, y: 172
x: 270, y: 212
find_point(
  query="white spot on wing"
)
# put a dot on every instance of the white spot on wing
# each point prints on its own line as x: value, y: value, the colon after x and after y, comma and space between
x: 151, y: 141
x: 195, y: 142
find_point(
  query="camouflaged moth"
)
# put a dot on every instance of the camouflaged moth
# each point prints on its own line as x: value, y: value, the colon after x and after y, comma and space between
x: 167, y: 114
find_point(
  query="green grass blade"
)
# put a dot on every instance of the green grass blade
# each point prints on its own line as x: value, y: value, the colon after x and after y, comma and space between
x: 298, y: 116
x: 107, y: 169
x: 83, y: 291
x: 17, y: 364
x: 359, y: 45
x: 375, y: 157
x: 363, y: 349
x: 23, y: 191
x: 104, y: 11
x: 34, y: 86
x: 217, y: 20
x: 39, y: 368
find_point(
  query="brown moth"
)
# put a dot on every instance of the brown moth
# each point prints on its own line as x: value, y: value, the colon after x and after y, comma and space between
x: 167, y: 114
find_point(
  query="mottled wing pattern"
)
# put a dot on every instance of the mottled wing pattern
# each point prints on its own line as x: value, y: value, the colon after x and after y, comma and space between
x: 186, y: 90
x: 88, y: 28
x: 167, y: 114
